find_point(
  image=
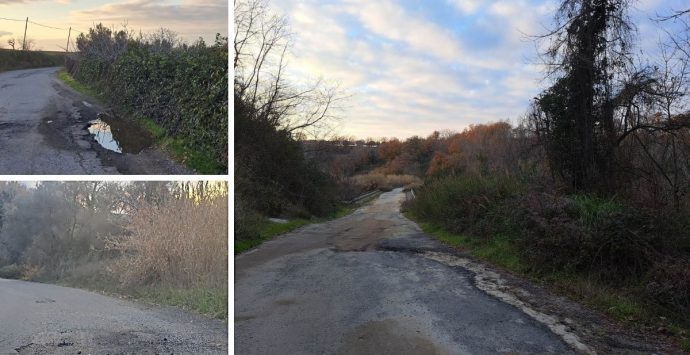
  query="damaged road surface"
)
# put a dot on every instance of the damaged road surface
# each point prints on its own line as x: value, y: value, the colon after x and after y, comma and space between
x: 47, y: 128
x: 363, y: 284
x: 47, y: 319
x: 374, y: 283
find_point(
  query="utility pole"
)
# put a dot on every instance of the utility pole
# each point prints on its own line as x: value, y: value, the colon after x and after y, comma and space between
x: 68, y: 34
x: 25, y: 26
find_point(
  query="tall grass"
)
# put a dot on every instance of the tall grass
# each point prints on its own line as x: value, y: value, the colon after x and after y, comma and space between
x: 373, y: 181
x: 177, y: 254
x: 182, y: 243
x: 458, y: 203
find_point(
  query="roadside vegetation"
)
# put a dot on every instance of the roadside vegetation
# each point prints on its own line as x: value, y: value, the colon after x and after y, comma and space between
x: 262, y: 229
x: 18, y: 59
x: 284, y: 167
x: 177, y: 90
x: 161, y: 242
x: 589, y: 192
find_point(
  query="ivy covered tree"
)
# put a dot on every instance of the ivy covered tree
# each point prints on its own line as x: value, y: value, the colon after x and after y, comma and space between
x: 589, y: 51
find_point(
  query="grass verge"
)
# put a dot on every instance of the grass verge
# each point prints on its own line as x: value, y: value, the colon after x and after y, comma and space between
x: 268, y: 230
x: 498, y: 251
x: 205, y: 300
x: 79, y: 87
x: 212, y: 302
x: 200, y: 161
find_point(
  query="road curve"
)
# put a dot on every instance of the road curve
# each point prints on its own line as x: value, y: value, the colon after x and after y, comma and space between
x: 40, y: 318
x: 43, y: 130
x: 363, y: 284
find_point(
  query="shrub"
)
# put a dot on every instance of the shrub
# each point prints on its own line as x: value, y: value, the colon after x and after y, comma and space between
x: 457, y: 203
x: 585, y: 234
x: 12, y: 271
x: 247, y: 222
x: 668, y: 284
x: 182, y: 88
x: 385, y: 182
x: 271, y: 173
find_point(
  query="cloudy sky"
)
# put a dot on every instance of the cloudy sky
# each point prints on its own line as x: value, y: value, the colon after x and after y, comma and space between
x: 415, y: 66
x: 189, y: 18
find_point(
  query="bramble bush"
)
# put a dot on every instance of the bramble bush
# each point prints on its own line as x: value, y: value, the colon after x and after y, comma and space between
x: 183, y: 88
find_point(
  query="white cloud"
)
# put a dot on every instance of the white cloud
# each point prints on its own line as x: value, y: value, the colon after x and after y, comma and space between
x: 190, y: 18
x: 407, y: 74
x: 467, y: 6
x: 391, y: 21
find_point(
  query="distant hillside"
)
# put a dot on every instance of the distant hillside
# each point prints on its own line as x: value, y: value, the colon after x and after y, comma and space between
x: 16, y: 59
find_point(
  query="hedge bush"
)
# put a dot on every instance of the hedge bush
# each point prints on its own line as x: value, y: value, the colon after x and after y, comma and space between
x: 16, y: 59
x: 183, y: 88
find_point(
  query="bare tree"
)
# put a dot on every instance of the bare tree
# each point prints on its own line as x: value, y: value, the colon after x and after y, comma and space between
x: 261, y: 46
x: 29, y: 44
x: 162, y: 40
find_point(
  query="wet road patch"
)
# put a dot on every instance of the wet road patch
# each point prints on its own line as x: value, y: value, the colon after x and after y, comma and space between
x: 118, y: 135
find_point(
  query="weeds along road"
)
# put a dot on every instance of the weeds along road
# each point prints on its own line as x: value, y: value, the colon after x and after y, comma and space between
x: 43, y: 130
x: 373, y: 283
x: 47, y: 319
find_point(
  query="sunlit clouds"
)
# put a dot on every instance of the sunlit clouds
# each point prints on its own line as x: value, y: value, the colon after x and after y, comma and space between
x: 416, y: 66
x: 191, y: 19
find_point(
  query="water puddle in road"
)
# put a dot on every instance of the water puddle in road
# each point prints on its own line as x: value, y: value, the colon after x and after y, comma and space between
x: 119, y: 136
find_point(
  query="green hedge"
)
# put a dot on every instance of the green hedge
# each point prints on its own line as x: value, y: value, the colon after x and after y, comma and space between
x: 183, y: 89
x: 16, y: 59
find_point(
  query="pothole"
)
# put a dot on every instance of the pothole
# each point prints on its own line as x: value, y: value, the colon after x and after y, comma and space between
x: 119, y: 136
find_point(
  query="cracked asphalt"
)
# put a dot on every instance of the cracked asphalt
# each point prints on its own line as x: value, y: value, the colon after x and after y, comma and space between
x: 40, y: 318
x: 43, y: 130
x: 365, y: 284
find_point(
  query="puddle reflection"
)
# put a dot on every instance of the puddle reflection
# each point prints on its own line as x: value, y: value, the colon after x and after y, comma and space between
x: 103, y: 135
x: 119, y: 136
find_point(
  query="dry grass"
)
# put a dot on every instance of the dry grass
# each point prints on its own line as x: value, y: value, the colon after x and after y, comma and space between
x: 372, y: 181
x: 180, y: 243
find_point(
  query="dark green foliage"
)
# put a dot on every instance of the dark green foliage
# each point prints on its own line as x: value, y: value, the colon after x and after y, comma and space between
x: 271, y: 173
x: 182, y: 88
x: 668, y: 284
x: 601, y: 239
x: 459, y: 203
x: 11, y: 271
x: 586, y: 235
x: 16, y: 59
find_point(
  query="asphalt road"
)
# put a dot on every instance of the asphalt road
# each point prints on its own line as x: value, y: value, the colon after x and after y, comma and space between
x: 43, y: 130
x: 373, y: 283
x: 47, y: 319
